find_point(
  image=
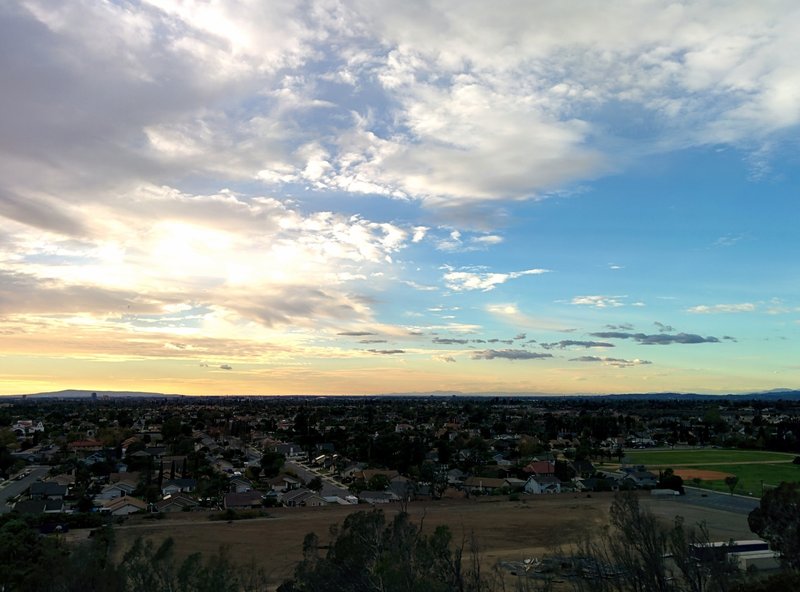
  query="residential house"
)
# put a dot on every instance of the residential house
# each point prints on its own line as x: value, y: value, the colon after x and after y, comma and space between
x: 240, y: 485
x: 377, y: 497
x: 44, y: 490
x: 543, y: 484
x: 178, y: 486
x: 243, y: 501
x: 115, y: 490
x: 540, y: 467
x: 480, y: 485
x: 283, y: 483
x: 289, y: 450
x: 122, y: 506
x: 642, y: 479
x: 40, y: 506
x: 178, y: 502
x: 302, y: 497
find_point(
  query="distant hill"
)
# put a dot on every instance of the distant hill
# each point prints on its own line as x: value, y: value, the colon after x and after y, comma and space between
x: 80, y: 394
x: 771, y: 395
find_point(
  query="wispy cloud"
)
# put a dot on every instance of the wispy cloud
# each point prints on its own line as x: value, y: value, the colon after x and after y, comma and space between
x: 576, y: 343
x: 722, y: 308
x: 508, y: 354
x: 599, y: 301
x: 618, y: 362
x: 461, y: 281
x: 657, y: 339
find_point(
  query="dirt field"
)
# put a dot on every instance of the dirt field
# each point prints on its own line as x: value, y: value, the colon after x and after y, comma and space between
x: 506, y: 530
x: 688, y: 474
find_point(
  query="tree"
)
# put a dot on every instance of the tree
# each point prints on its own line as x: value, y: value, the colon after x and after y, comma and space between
x: 271, y: 464
x: 632, y: 555
x: 378, y: 482
x: 315, y: 484
x: 669, y: 480
x: 368, y: 554
x: 731, y: 481
x: 777, y: 520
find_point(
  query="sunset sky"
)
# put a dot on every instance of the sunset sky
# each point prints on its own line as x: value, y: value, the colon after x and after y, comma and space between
x: 345, y: 197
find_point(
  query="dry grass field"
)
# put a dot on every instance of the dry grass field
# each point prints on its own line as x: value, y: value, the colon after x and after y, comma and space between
x: 505, y: 530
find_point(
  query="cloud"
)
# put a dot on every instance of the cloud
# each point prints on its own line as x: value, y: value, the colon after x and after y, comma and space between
x: 387, y: 352
x: 662, y: 328
x: 574, y: 343
x: 448, y: 359
x: 226, y: 367
x: 520, y: 336
x: 722, y: 308
x: 456, y: 242
x: 356, y: 333
x: 598, y: 301
x: 618, y: 362
x: 508, y: 354
x: 658, y: 339
x: 463, y: 281
x: 449, y: 341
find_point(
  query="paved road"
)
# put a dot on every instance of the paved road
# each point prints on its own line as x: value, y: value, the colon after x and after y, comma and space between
x: 13, y: 488
x: 329, y: 486
x: 737, y: 504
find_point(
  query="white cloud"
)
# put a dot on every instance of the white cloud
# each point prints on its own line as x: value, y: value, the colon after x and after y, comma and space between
x: 461, y: 281
x: 722, y: 308
x: 599, y: 301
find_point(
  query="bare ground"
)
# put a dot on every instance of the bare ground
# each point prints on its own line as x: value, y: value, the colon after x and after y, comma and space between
x: 505, y: 530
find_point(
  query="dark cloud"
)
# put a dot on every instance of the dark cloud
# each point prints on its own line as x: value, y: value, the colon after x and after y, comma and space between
x: 387, y: 352
x: 448, y: 359
x: 619, y: 362
x: 26, y: 293
x: 508, y: 354
x: 575, y: 343
x: 372, y: 341
x: 355, y: 333
x: 506, y: 341
x: 39, y: 214
x: 226, y: 367
x: 662, y: 328
x: 520, y: 336
x: 658, y: 339
x: 449, y: 341
x: 622, y: 327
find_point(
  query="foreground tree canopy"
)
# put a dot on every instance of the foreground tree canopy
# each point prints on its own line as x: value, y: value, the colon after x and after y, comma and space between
x: 369, y: 554
x: 777, y: 520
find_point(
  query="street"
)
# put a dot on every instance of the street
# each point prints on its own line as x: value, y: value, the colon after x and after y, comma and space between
x: 13, y: 488
x: 329, y: 486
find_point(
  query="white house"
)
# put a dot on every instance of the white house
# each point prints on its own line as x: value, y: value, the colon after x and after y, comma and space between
x: 542, y: 484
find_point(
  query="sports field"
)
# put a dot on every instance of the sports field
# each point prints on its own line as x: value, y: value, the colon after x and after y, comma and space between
x: 707, y: 467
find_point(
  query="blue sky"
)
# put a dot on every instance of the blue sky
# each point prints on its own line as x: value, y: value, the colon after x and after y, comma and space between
x: 359, y: 197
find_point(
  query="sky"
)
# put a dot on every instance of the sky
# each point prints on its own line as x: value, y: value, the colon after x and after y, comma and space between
x: 362, y: 197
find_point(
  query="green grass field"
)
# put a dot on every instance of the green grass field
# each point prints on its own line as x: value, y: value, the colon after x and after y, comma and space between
x: 752, y: 467
x: 703, y: 455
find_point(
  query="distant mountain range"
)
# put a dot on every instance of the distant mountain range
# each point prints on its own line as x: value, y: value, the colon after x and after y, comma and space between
x: 79, y: 394
x: 771, y: 395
